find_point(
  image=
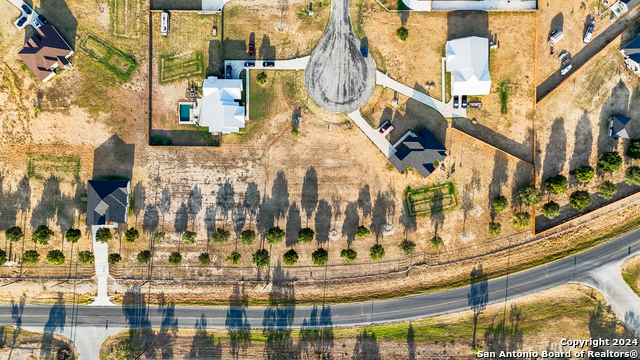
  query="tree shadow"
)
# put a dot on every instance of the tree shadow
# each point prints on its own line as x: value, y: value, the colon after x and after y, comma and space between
x: 9, y: 204
x: 267, y: 52
x: 168, y: 327
x: 194, y: 204
x: 556, y: 151
x: 225, y: 200
x: 499, y: 178
x: 295, y: 122
x: 278, y: 317
x: 384, y: 208
x: 316, y: 334
x: 151, y: 219
x: 403, y: 13
x: 366, y: 347
x: 181, y: 221
x: 364, y: 201
x: 557, y: 23
x: 467, y: 199
x: 293, y: 225
x: 58, y: 14
x: 236, y: 322
x: 139, y: 199
x: 57, y: 320
x: 351, y: 222
x: 51, y: 203
x: 309, y: 197
x: 583, y: 142
x: 503, y: 335
x: 238, y: 218
x: 265, y: 218
x: 165, y: 204
x: 467, y: 23
x: 411, y: 344
x: 203, y: 345
x: 113, y: 160
x: 522, y: 177
x: 136, y: 313
x: 478, y: 296
x: 251, y: 200
x: 280, y: 196
x: 322, y: 221
x: 210, y: 220
x: 215, y: 60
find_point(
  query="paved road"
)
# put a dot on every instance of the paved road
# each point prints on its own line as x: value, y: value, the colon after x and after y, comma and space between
x: 338, y: 78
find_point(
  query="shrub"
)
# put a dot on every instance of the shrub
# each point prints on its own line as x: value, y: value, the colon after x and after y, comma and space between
x: 529, y: 195
x: 275, y: 235
x: 495, y: 228
x: 86, y: 257
x: 551, y: 210
x: 362, y: 231
x: 204, y: 259
x: 320, y: 257
x: 73, y: 235
x: 349, y: 255
x: 609, y: 162
x: 579, y: 200
x: 55, y: 257
x: 42, y: 235
x: 158, y: 236
x: 407, y: 247
x: 247, y: 237
x: 144, y: 257
x: 402, y: 33
x: 261, y: 78
x: 436, y: 242
x: 557, y: 184
x: 131, y: 235
x: 499, y: 204
x: 295, y: 132
x: 260, y: 258
x: 585, y: 174
x: 14, y: 234
x: 521, y: 220
x: 30, y: 257
x: 632, y: 175
x: 103, y: 235
x: 607, y: 190
x: 306, y: 235
x: 220, y: 236
x: 114, y: 258
x: 189, y: 237
x: 376, y: 252
x: 3, y: 257
x: 175, y: 258
x: 234, y: 258
x: 290, y: 257
x: 633, y: 151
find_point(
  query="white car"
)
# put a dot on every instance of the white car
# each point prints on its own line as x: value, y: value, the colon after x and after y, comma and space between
x: 36, y: 23
x: 564, y: 71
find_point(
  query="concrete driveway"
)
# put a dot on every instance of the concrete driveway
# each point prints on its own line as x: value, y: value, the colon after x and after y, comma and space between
x: 338, y: 78
x: 293, y: 64
x: 30, y: 17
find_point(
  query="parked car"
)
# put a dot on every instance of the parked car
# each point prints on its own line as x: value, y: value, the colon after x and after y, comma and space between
x: 251, y: 48
x: 385, y: 127
x: 36, y: 23
x: 228, y: 72
x: 364, y: 51
x: 589, y: 33
x: 563, y: 54
x: 566, y: 62
x: 455, y: 102
x: 475, y: 105
x: 564, y: 71
x: 249, y: 64
x: 269, y: 64
x: 22, y: 21
x: 26, y: 9
x: 464, y: 101
x: 42, y: 19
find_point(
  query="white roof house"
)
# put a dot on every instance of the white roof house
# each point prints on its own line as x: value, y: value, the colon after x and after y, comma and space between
x: 220, y: 111
x: 468, y: 63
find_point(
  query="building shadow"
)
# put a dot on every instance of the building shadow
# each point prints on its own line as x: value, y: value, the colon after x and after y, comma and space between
x: 113, y: 160
x: 557, y: 23
x: 215, y: 59
x: 267, y: 51
x: 522, y: 151
x: 467, y: 23
x: 60, y: 16
x: 617, y: 104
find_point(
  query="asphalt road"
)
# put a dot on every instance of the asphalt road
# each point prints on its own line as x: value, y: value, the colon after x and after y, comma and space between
x: 338, y: 78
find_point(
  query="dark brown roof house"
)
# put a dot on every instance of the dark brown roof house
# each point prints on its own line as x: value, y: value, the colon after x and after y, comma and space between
x: 45, y: 51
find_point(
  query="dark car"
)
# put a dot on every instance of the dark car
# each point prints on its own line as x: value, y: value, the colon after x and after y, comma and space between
x: 26, y: 9
x: 364, y: 51
x: 42, y: 19
x: 464, y: 101
x: 251, y: 49
x: 22, y: 21
x: 385, y: 127
x: 249, y: 64
x: 455, y: 102
x: 228, y: 72
x: 269, y: 64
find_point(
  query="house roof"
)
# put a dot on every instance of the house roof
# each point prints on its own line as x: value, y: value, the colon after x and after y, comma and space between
x: 220, y: 111
x: 107, y: 201
x: 44, y: 49
x: 468, y: 63
x: 619, y: 127
x: 632, y: 50
x: 420, y: 151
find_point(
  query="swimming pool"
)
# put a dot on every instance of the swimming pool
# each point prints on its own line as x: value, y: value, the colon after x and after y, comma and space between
x: 184, y: 112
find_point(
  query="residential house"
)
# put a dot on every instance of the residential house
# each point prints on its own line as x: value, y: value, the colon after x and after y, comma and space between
x: 619, y: 127
x: 421, y: 151
x: 107, y: 202
x: 45, y: 51
x: 220, y: 108
x: 631, y: 54
x: 468, y: 62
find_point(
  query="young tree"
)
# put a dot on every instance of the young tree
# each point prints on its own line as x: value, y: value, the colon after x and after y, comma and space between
x: 73, y: 235
x: 55, y: 257
x: 247, y: 237
x: 261, y: 78
x: 260, y: 258
x: 30, y: 257
x: 233, y: 258
x: 376, y: 252
x: 551, y: 210
x: 407, y: 247
x: 290, y: 257
x: 306, y: 235
x: 114, y: 258
x: 529, y: 195
x: 175, y: 258
x: 580, y: 200
x: 14, y: 234
x: 585, y: 174
x: 189, y: 238
x: 362, y: 231
x: 158, y: 236
x: 632, y: 175
x: 436, y: 242
x: 220, y: 236
x: 320, y: 257
x: 495, y: 228
x: 144, y: 257
x: 607, y: 190
x: 610, y: 162
x: 557, y: 184
x: 633, y: 151
x: 402, y: 33
x: 103, y: 235
x: 499, y: 204
x: 131, y: 235
x: 521, y: 220
x: 42, y: 235
x: 275, y: 235
x: 204, y: 259
x: 349, y: 255
x: 3, y: 257
x: 294, y: 132
x: 86, y: 257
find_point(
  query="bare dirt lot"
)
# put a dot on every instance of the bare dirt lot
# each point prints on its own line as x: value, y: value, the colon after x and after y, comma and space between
x: 20, y: 344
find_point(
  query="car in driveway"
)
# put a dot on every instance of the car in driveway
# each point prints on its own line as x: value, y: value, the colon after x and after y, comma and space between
x: 36, y: 23
x: 269, y: 63
x: 564, y: 71
x: 251, y: 49
x: 42, y: 19
x: 464, y: 101
x: 456, y: 101
x: 386, y: 127
x: 563, y: 54
x: 589, y: 33
x: 26, y: 9
x: 250, y: 64
x: 228, y: 72
x: 22, y: 21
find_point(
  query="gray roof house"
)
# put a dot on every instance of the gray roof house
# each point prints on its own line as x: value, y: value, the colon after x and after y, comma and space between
x: 107, y: 202
x: 420, y: 150
x: 619, y: 127
x: 631, y: 54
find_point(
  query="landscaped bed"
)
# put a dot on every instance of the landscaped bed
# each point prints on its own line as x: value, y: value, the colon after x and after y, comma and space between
x: 431, y: 199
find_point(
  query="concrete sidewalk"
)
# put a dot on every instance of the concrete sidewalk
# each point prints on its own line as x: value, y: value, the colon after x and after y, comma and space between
x: 101, y: 254
x: 374, y: 135
x: 293, y: 64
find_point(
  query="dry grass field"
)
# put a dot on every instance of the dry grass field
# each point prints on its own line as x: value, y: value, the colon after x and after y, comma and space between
x: 20, y: 344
